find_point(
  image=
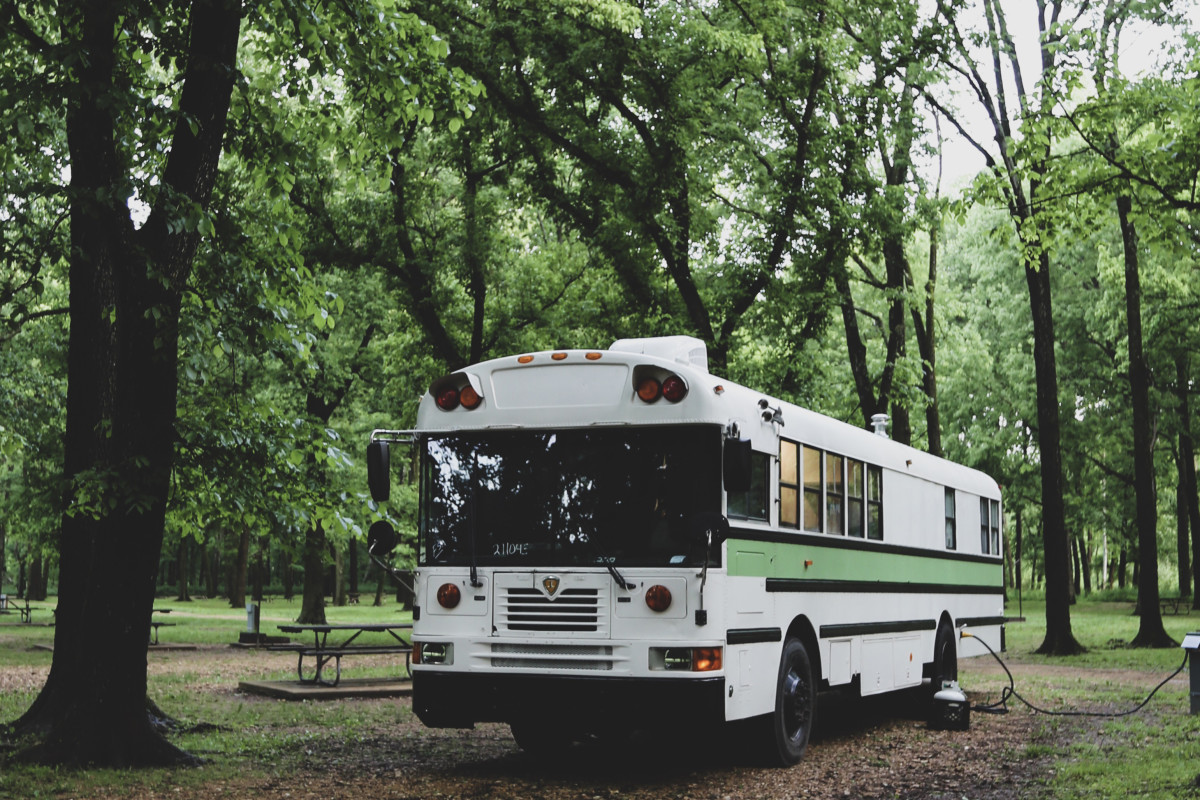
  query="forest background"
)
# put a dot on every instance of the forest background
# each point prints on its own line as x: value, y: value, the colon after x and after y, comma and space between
x: 977, y: 217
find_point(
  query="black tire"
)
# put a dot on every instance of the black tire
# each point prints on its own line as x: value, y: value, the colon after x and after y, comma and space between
x: 785, y: 732
x: 945, y: 659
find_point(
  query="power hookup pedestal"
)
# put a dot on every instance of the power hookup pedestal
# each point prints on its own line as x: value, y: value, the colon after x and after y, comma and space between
x: 1191, y: 643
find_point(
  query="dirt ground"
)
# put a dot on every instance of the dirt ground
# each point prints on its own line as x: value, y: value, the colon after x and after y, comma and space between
x: 878, y: 748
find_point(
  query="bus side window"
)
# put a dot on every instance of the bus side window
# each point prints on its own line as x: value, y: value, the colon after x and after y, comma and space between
x: 996, y: 527
x: 874, y: 503
x: 984, y: 528
x: 854, y: 498
x: 752, y: 503
x: 813, y: 480
x: 951, y: 522
x: 789, y: 484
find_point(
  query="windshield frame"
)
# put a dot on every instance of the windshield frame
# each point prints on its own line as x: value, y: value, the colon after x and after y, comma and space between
x: 654, y: 483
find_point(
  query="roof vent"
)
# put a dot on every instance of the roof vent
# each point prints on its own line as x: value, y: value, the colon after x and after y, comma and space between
x: 879, y: 422
x: 682, y: 349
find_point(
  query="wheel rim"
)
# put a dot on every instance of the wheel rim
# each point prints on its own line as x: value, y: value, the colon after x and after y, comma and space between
x: 796, y: 702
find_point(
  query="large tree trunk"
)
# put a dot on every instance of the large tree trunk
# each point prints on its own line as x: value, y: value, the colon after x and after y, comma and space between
x: 37, y: 577
x: 1187, y: 457
x: 1150, y: 630
x: 1020, y: 543
x: 184, y: 569
x: 1182, y: 549
x: 1059, y: 640
x: 121, y: 367
x: 240, y: 566
x: 312, y: 605
x: 926, y: 333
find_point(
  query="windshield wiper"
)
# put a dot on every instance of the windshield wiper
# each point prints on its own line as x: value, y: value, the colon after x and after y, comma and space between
x: 475, y: 582
x: 607, y: 561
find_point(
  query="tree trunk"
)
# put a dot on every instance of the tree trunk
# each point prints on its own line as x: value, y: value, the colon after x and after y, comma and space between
x: 37, y: 579
x: 212, y: 586
x: 259, y: 574
x: 289, y: 577
x: 237, y: 574
x: 1150, y: 631
x: 1187, y: 456
x: 1020, y: 545
x: 1077, y: 561
x: 339, y: 576
x: 1059, y: 640
x: 926, y: 334
x: 1182, y: 545
x: 312, y: 607
x: 121, y: 367
x: 184, y: 569
x: 1085, y: 556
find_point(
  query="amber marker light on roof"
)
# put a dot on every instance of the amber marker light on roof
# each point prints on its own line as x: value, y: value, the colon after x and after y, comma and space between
x: 524, y: 359
x: 469, y: 398
x: 649, y: 390
x: 558, y: 356
x: 593, y: 356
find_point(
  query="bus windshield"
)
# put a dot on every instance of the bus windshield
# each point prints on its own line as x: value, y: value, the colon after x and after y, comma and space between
x: 606, y: 496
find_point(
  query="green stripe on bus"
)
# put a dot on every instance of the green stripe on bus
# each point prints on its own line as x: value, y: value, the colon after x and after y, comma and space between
x: 808, y: 561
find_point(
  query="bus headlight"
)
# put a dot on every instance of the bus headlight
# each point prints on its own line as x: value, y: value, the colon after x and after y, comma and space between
x: 433, y: 653
x: 686, y: 659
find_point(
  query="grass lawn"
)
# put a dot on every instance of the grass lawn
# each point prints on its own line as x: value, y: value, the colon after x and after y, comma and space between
x: 1154, y: 753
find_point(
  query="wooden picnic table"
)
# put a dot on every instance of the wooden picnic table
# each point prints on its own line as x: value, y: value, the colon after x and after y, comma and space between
x: 1173, y: 604
x: 323, y: 651
x: 156, y: 624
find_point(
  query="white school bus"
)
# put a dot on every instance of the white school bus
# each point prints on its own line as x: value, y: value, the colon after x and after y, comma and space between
x: 617, y: 538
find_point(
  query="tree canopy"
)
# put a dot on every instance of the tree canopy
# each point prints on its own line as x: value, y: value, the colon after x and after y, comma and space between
x: 237, y: 237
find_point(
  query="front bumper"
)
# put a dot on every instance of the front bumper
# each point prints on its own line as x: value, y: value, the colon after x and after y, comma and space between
x: 458, y: 700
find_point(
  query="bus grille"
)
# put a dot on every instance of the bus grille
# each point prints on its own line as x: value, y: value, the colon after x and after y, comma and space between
x: 575, y: 611
x: 549, y: 656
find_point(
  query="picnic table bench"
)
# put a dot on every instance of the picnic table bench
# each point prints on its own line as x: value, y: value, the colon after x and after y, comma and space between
x: 322, y: 651
x: 156, y: 624
x: 1173, y: 604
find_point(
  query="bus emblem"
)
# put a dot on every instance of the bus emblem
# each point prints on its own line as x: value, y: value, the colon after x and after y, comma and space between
x: 550, y: 584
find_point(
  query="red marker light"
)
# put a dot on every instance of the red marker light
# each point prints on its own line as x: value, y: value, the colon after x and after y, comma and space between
x: 674, y: 389
x: 448, y: 595
x: 658, y: 597
x: 447, y: 399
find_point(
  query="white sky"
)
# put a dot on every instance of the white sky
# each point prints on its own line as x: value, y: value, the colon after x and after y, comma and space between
x: 1142, y: 50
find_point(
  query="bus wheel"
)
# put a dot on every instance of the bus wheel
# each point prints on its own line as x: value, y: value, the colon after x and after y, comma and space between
x: 945, y: 659
x: 786, y: 731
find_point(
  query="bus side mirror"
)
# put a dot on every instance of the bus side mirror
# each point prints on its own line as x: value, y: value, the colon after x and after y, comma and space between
x: 381, y: 538
x: 379, y: 477
x: 737, y: 465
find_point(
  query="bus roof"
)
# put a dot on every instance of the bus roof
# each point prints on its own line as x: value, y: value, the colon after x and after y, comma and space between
x: 599, y: 388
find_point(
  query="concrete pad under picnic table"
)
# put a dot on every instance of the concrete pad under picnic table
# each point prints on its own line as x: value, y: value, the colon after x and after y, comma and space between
x: 346, y: 687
